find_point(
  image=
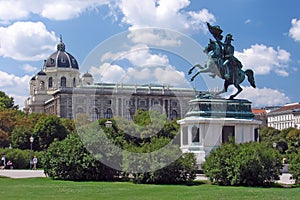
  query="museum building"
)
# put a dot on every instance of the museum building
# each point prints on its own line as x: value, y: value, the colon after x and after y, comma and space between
x: 60, y: 89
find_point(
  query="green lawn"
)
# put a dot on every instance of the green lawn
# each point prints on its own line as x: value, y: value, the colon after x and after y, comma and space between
x: 45, y: 188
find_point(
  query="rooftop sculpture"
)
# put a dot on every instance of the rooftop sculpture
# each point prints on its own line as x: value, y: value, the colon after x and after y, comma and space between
x: 222, y: 63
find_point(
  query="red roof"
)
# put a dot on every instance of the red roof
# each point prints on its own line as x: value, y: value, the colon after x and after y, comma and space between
x: 288, y: 107
x: 258, y: 111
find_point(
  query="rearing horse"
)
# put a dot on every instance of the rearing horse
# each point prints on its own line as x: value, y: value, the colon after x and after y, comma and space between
x: 214, y: 65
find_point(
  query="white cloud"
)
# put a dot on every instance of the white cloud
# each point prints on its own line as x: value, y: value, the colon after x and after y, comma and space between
x: 171, y: 76
x: 263, y: 60
x: 261, y: 97
x: 164, y: 14
x: 139, y: 55
x: 15, y: 86
x: 140, y: 75
x: 12, y: 10
x: 51, y: 9
x: 294, y: 31
x: 108, y: 73
x: 63, y: 10
x: 167, y: 75
x: 29, y: 68
x: 158, y: 37
x: 29, y: 41
x: 248, y: 21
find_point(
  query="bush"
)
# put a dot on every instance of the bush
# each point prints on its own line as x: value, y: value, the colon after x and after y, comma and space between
x: 294, y: 167
x: 69, y: 160
x: 159, y: 162
x: 20, y: 158
x: 250, y: 164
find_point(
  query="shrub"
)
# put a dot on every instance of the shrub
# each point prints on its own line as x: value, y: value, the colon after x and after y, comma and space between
x: 69, y: 160
x: 20, y: 158
x: 159, y: 163
x: 251, y: 164
x: 294, y: 166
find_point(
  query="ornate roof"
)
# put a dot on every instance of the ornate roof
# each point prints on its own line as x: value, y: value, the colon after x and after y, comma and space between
x: 61, y: 58
x: 87, y: 75
x: 41, y: 73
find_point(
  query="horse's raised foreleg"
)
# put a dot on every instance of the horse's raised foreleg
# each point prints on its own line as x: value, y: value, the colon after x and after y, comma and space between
x: 192, y: 68
x: 240, y: 89
x: 193, y: 77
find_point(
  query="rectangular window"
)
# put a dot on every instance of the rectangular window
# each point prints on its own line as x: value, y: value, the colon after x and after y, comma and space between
x: 142, y: 103
x: 256, y: 135
x: 185, y: 135
x: 195, y: 134
x: 228, y: 134
x: 108, y: 101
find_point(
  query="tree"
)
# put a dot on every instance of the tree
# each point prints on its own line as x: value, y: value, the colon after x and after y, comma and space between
x: 294, y: 167
x: 7, y: 102
x: 9, y: 118
x: 293, y: 140
x: 47, y: 129
x: 20, y: 137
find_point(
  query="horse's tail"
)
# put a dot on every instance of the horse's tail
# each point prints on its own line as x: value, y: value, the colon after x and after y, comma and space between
x: 250, y: 75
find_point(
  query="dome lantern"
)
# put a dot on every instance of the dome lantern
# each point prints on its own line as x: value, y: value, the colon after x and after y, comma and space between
x: 61, y: 58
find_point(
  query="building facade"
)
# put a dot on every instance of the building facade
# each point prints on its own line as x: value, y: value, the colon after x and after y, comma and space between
x: 60, y: 89
x: 285, y: 117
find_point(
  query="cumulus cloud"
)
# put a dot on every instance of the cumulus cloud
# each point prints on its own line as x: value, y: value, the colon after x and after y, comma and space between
x: 155, y: 37
x: 108, y: 73
x: 29, y: 41
x: 164, y: 14
x: 139, y: 55
x: 264, y: 96
x: 29, y: 68
x: 171, y: 76
x: 55, y: 10
x: 111, y: 73
x: 15, y: 86
x: 294, y: 31
x: 12, y: 10
x: 264, y: 60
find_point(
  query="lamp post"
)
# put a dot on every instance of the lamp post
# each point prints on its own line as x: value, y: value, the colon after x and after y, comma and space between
x: 31, y: 139
x: 274, y: 145
x: 108, y: 124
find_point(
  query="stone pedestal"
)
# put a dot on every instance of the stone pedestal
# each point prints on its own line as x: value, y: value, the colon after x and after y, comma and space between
x: 211, y: 122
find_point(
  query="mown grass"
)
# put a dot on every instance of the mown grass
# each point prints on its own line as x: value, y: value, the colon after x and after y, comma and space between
x: 45, y: 188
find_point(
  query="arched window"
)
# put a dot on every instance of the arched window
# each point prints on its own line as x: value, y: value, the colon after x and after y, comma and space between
x: 174, y: 115
x: 80, y: 110
x: 108, y: 113
x: 42, y: 85
x: 95, y: 114
x: 50, y: 82
x: 63, y: 82
x: 74, y: 82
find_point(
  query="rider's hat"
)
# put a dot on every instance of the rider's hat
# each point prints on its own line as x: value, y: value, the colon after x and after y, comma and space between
x: 229, y: 37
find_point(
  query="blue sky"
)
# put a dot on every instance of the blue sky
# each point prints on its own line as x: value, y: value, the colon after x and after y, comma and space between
x: 153, y: 41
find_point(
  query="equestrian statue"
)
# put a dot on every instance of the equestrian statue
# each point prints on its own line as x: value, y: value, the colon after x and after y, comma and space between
x: 222, y: 63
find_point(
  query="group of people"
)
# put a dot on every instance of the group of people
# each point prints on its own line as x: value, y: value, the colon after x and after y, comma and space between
x: 5, y: 164
x: 9, y: 164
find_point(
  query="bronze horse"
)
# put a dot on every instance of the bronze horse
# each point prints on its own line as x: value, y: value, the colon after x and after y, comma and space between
x: 214, y: 65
